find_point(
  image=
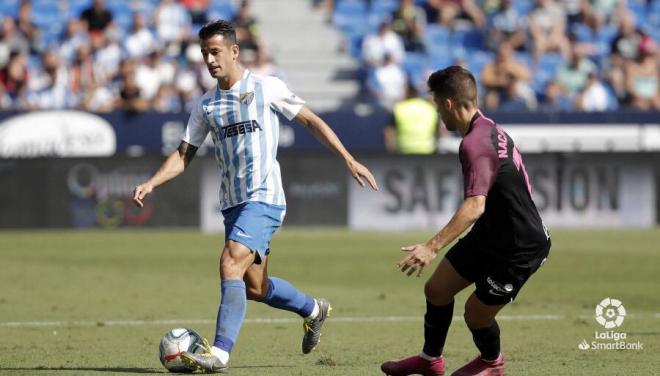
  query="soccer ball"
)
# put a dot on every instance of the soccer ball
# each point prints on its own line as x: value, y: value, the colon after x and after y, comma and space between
x: 174, y: 343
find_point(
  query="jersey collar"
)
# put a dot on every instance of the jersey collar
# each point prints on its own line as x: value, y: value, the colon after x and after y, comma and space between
x: 476, y: 116
x: 236, y: 85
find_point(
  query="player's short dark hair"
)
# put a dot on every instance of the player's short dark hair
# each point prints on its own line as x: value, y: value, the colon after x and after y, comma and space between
x: 219, y: 27
x: 456, y: 83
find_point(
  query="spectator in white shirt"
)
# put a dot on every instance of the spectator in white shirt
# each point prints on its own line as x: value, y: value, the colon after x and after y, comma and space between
x: 594, y: 97
x: 385, y: 42
x: 390, y: 83
x: 74, y: 37
x: 172, y: 22
x: 140, y: 41
x: 51, y: 88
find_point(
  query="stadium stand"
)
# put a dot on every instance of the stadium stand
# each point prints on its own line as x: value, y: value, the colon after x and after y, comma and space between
x: 103, y: 55
x: 544, y: 34
x: 614, y: 45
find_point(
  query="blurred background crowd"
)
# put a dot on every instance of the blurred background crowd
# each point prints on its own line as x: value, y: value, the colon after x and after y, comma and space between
x: 547, y: 55
x: 110, y: 55
x: 137, y: 55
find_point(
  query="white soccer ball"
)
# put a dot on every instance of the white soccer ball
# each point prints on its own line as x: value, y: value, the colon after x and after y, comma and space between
x: 174, y: 343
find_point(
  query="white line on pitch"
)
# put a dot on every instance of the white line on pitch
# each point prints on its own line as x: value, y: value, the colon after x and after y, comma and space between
x: 345, y: 319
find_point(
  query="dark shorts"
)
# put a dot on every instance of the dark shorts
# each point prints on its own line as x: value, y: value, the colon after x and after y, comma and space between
x: 498, y: 278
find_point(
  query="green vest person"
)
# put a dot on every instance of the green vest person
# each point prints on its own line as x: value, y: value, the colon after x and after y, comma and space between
x: 414, y: 126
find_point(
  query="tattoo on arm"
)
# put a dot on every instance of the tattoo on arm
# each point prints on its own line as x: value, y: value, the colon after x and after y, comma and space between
x: 187, y: 152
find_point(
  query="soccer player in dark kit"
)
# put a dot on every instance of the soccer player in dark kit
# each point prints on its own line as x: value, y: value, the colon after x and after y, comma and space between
x: 506, y: 245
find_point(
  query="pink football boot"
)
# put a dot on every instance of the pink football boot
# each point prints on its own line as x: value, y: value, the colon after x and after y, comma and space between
x: 414, y: 365
x: 480, y: 367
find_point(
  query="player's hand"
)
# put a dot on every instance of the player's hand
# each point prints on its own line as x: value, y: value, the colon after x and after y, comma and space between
x: 360, y: 172
x: 418, y: 257
x: 141, y: 191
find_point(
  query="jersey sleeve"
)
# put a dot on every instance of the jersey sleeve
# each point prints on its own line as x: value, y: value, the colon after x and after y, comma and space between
x: 282, y: 99
x: 197, y: 129
x: 480, y: 167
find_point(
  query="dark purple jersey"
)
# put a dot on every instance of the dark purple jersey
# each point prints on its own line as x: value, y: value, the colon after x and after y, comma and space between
x: 493, y: 167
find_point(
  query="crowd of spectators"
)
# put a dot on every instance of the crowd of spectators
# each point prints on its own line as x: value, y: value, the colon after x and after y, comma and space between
x: 137, y: 55
x: 527, y: 55
x: 144, y: 58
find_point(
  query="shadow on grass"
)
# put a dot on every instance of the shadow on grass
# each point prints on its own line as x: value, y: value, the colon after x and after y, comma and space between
x: 120, y: 369
x: 95, y: 369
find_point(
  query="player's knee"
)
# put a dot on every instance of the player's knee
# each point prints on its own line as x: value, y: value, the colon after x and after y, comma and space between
x: 436, y: 294
x: 475, y: 319
x: 230, y: 267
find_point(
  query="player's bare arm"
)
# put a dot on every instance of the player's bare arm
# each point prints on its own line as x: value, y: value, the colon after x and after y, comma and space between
x: 173, y: 166
x: 322, y: 132
x: 420, y: 255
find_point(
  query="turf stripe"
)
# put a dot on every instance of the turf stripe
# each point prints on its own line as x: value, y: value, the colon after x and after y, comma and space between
x: 345, y: 319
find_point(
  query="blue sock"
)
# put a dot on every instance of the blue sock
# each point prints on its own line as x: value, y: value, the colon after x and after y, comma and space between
x: 282, y: 295
x: 230, y: 314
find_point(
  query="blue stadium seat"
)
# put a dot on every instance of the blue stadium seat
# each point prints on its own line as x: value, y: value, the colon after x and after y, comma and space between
x: 354, y: 41
x: 524, y: 57
x: 469, y: 39
x: 34, y: 63
x: 546, y: 70
x: 371, y: 81
x: 582, y: 32
x: 355, y: 34
x: 605, y: 38
x: 654, y: 14
x: 551, y: 61
x: 145, y: 7
x: 601, y: 39
x: 414, y: 64
x: 375, y: 20
x: 122, y: 14
x: 523, y: 7
x: 612, y: 101
x: 383, y: 7
x: 75, y: 7
x: 440, y: 59
x: 437, y: 36
x: 45, y: 13
x: 476, y: 62
x: 348, y: 13
x: 638, y: 7
x: 9, y: 8
x: 221, y: 10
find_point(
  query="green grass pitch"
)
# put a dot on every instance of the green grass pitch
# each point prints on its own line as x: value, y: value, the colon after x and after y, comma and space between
x: 92, y: 302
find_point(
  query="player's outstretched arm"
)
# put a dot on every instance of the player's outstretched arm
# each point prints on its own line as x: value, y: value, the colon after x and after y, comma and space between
x: 420, y: 255
x: 173, y: 166
x: 322, y: 132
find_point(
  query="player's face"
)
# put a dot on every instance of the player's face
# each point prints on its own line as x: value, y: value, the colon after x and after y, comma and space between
x: 220, y: 57
x: 443, y: 105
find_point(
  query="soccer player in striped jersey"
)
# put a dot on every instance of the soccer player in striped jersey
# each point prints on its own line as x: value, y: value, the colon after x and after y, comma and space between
x: 241, y: 116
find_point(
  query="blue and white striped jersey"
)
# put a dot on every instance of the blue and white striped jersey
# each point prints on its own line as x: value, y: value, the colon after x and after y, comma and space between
x: 245, y: 130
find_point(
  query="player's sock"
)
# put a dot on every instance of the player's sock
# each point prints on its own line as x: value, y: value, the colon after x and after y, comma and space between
x: 315, y: 312
x: 436, y: 325
x: 427, y: 357
x: 230, y: 314
x: 282, y: 295
x: 487, y: 341
x: 220, y: 354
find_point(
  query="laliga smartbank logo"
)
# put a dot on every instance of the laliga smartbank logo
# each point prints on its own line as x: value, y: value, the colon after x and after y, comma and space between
x: 610, y: 313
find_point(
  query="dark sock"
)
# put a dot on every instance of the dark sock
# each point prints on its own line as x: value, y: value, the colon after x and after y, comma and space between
x: 436, y: 325
x: 488, y: 341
